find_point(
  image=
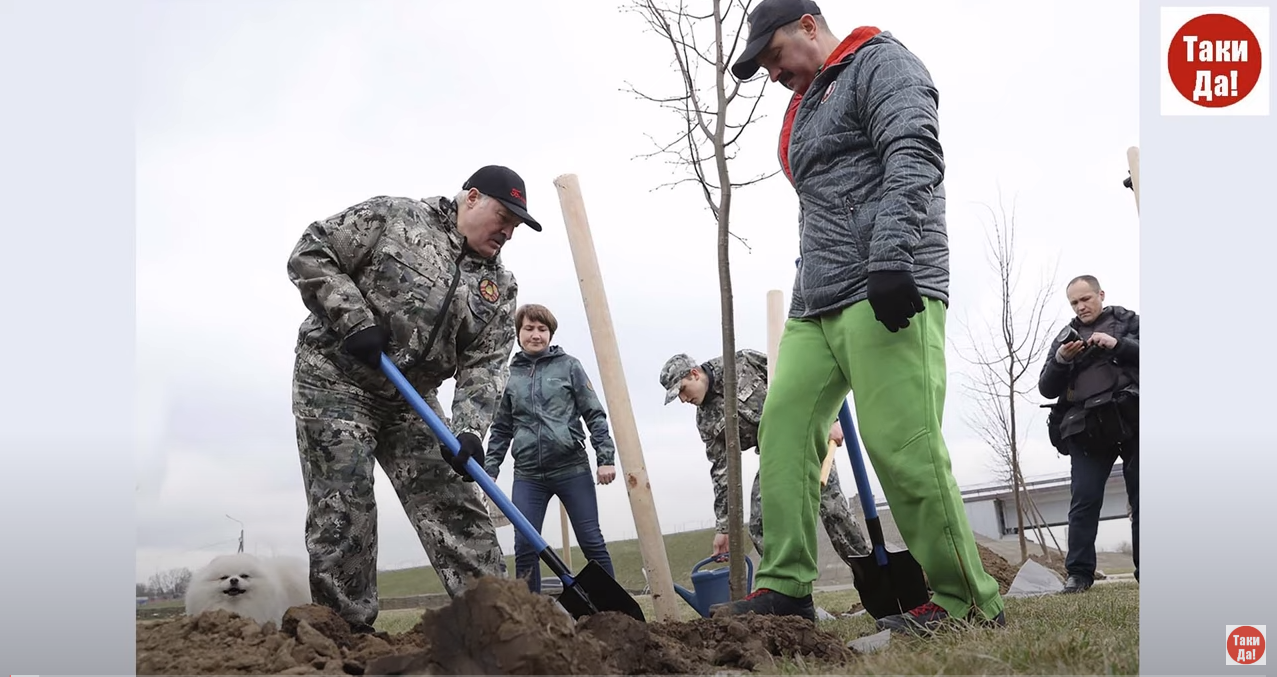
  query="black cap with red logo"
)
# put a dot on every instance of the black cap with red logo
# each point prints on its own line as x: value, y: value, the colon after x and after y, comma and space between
x: 764, y: 21
x: 505, y: 186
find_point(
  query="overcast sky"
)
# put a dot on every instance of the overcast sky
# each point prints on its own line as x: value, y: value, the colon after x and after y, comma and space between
x: 256, y: 118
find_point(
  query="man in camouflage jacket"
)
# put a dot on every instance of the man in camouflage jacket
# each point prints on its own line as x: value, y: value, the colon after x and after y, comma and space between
x: 422, y: 282
x: 702, y: 386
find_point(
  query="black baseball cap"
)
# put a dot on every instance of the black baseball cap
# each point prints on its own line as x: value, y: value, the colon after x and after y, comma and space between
x: 505, y: 186
x: 768, y: 16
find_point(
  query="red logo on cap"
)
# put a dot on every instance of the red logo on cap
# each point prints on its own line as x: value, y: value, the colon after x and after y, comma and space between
x: 514, y: 193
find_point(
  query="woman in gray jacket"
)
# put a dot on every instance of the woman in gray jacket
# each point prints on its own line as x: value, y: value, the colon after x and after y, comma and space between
x: 539, y: 421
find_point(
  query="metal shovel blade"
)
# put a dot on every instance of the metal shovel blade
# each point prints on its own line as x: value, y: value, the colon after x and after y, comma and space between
x: 593, y: 591
x: 889, y: 583
x: 892, y: 589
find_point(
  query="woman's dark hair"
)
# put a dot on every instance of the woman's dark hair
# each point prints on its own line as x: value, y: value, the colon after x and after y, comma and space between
x: 536, y: 313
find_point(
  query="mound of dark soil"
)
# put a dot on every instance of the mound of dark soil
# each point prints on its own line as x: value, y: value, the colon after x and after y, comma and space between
x: 311, y: 641
x: 496, y: 628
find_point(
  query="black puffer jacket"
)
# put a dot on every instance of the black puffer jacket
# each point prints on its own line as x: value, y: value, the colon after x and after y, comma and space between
x: 1116, y: 321
x: 1104, y: 371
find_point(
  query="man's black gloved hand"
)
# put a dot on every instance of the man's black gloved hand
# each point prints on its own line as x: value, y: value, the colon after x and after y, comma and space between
x: 894, y: 297
x: 471, y: 447
x: 367, y: 345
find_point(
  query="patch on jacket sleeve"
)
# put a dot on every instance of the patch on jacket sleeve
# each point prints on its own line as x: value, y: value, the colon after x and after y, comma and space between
x: 489, y: 290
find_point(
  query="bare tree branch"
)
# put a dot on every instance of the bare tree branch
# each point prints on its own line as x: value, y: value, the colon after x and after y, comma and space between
x: 704, y: 149
x: 755, y: 180
x: 744, y: 125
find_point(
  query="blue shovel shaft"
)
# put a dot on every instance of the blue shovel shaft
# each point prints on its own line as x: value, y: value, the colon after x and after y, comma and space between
x: 472, y: 466
x: 857, y: 462
x: 862, y: 477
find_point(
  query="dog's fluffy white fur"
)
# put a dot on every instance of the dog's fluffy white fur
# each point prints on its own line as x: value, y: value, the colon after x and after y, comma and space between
x: 260, y: 588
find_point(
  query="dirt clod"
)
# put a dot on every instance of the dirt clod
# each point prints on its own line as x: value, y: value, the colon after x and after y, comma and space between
x: 496, y: 628
x: 321, y: 619
x: 998, y: 567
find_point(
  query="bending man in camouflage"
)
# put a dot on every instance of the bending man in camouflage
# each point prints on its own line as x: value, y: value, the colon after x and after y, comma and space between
x: 422, y: 282
x: 702, y: 386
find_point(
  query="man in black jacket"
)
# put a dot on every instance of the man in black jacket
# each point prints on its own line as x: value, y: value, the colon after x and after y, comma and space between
x: 1093, y: 368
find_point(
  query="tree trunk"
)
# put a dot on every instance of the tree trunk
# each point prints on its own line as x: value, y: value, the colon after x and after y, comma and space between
x: 1016, y: 480
x: 735, y: 499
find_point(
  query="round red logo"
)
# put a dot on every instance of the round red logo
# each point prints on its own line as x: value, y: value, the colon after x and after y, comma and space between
x: 1245, y: 644
x: 1214, y: 60
x: 489, y: 291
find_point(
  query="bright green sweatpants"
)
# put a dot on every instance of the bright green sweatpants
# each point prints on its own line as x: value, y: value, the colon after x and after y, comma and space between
x: 898, y: 386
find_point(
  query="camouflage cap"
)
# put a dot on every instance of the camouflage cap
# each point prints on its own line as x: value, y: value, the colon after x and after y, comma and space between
x: 672, y: 374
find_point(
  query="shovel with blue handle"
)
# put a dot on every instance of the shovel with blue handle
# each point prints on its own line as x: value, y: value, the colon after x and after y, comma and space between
x: 589, y: 592
x: 889, y: 583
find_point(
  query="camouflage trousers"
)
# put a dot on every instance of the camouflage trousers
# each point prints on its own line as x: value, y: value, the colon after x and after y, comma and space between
x: 341, y: 431
x: 836, y: 515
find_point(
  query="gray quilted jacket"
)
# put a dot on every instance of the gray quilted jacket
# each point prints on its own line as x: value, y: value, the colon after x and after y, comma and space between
x: 862, y: 150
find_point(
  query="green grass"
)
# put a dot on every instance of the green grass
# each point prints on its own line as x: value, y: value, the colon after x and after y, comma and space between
x: 1092, y: 633
x: 684, y: 550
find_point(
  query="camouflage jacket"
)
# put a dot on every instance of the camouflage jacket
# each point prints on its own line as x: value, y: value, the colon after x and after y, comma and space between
x: 539, y: 420
x: 711, y: 419
x: 403, y: 264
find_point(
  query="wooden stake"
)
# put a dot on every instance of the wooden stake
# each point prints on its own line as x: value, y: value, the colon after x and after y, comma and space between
x: 1133, y: 159
x: 775, y: 327
x: 566, y: 526
x: 828, y: 465
x: 628, y: 448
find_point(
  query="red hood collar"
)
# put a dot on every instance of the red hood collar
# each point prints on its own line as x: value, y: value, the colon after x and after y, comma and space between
x: 844, y: 49
x: 850, y: 44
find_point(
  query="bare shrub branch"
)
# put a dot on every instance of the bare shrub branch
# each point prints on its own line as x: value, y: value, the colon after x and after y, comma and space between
x: 1005, y: 356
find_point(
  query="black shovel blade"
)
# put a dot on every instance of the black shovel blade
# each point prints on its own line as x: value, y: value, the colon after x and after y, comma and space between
x: 594, y: 591
x: 892, y: 589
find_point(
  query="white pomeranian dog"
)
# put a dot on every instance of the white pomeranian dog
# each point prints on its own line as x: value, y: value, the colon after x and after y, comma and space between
x: 254, y: 587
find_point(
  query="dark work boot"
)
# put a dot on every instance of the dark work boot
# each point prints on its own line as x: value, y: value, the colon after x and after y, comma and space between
x: 999, y: 621
x: 929, y: 617
x: 921, y: 620
x: 766, y: 602
x: 1075, y: 583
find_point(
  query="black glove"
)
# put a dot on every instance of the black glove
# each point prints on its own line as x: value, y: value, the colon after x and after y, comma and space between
x: 894, y: 297
x: 367, y: 345
x: 471, y: 447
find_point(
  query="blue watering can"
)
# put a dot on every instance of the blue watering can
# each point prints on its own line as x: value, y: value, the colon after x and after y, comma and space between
x: 714, y: 586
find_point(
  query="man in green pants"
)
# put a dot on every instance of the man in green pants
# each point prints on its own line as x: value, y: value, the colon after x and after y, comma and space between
x: 859, y: 142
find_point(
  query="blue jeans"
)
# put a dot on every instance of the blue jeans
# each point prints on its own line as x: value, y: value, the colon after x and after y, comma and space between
x: 576, y: 493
